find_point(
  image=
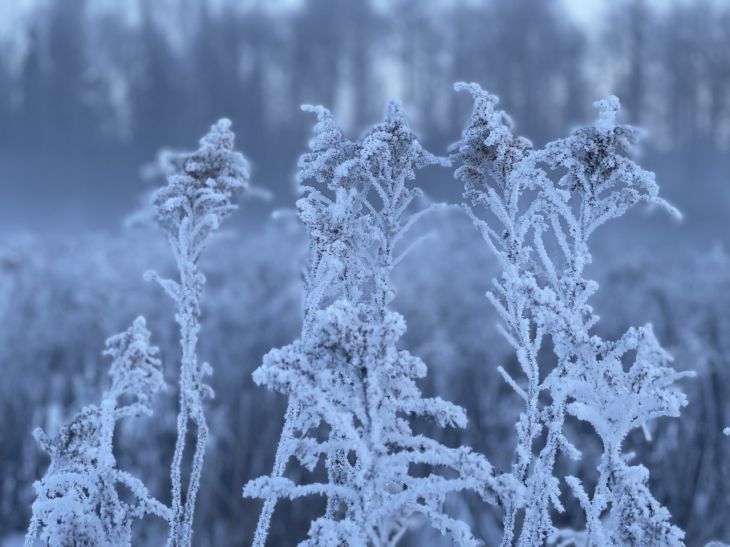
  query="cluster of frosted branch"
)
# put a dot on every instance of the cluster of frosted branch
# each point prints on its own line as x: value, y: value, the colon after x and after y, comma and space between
x: 77, y: 500
x: 542, y: 247
x: 599, y: 183
x: 199, y: 194
x: 349, y: 374
x: 333, y: 218
x: 346, y: 372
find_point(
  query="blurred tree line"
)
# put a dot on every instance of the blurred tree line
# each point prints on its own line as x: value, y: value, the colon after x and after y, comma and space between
x: 95, y: 87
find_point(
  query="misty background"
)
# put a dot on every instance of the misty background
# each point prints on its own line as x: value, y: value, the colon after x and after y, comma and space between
x: 90, y: 90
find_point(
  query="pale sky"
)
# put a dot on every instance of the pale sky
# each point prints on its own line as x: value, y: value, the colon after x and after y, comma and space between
x: 586, y: 12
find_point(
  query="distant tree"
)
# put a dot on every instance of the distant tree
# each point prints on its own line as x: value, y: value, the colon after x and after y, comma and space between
x: 161, y: 87
x: 630, y: 50
x: 419, y: 40
x: 332, y: 53
x: 530, y: 53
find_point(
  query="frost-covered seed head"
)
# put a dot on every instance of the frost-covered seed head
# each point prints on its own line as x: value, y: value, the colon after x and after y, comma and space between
x: 201, y: 185
x: 136, y: 370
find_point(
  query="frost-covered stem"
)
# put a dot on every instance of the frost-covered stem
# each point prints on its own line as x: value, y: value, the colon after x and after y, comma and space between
x: 106, y: 433
x: 519, y: 327
x: 523, y: 458
x: 611, y: 464
x: 536, y: 524
x: 490, y: 156
x: 188, y: 319
x: 201, y: 442
x: 176, y: 466
x: 574, y: 329
x: 389, y: 225
x: 312, y: 300
x: 282, y: 455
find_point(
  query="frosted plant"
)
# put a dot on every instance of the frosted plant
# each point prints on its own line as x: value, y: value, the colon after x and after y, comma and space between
x: 542, y: 292
x: 387, y: 161
x: 600, y: 182
x: 333, y: 218
x: 490, y: 157
x: 622, y: 510
x: 349, y: 375
x: 77, y: 500
x: 346, y: 371
x: 198, y: 196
